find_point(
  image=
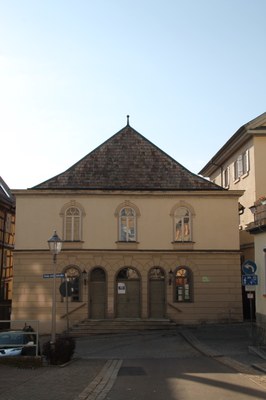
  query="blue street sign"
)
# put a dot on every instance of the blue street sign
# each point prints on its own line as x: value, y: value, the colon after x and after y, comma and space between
x: 249, y: 280
x: 249, y: 267
x: 61, y: 275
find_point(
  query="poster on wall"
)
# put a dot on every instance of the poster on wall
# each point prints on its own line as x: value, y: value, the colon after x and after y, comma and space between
x: 121, y: 288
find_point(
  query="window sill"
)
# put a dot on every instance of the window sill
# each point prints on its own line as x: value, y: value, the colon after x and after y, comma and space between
x: 127, y: 245
x: 183, y: 302
x: 183, y: 245
x: 73, y: 245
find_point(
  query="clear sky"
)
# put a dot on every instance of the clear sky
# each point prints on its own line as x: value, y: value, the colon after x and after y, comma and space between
x: 188, y: 72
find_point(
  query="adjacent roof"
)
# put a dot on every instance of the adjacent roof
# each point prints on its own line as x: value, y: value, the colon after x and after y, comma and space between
x: 6, y: 197
x: 128, y: 161
x: 256, y: 127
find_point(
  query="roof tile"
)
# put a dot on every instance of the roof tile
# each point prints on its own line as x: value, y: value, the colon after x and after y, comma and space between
x: 128, y: 161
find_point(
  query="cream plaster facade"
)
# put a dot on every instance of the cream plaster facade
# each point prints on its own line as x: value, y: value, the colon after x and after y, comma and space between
x: 250, y: 139
x: 212, y: 255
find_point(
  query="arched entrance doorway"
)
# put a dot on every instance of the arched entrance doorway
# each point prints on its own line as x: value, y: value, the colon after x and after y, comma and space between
x: 156, y: 293
x: 128, y: 293
x: 97, y: 294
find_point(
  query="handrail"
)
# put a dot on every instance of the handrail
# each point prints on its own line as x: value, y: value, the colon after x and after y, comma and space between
x: 72, y: 311
x: 175, y: 307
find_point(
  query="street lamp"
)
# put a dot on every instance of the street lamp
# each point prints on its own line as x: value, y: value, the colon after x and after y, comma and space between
x: 55, y: 246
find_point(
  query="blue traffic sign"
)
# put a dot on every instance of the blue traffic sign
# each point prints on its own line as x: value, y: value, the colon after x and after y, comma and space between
x: 249, y: 267
x: 249, y: 280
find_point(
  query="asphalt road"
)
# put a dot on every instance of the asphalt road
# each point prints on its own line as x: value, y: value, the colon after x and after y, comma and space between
x: 181, y: 379
x: 146, y: 365
x: 163, y: 366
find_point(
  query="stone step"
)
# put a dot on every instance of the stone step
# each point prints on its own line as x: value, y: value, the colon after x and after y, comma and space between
x: 94, y: 327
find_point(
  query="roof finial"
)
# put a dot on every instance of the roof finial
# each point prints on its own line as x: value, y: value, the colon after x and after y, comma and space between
x: 127, y: 119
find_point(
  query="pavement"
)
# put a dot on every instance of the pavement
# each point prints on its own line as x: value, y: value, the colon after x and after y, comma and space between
x: 91, y: 379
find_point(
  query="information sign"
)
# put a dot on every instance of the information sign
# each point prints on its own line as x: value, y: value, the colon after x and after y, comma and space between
x: 249, y: 280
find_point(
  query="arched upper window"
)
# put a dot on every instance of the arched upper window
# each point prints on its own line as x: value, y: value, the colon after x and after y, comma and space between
x: 156, y: 274
x: 72, y: 214
x: 128, y: 273
x: 127, y: 225
x: 72, y: 224
x: 127, y: 214
x: 183, y: 284
x: 182, y: 225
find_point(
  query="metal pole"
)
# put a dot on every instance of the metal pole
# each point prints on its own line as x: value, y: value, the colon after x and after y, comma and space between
x: 250, y: 294
x: 66, y: 280
x: 53, y: 334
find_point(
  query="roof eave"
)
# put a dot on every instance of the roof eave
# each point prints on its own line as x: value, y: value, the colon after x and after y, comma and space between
x: 241, y: 136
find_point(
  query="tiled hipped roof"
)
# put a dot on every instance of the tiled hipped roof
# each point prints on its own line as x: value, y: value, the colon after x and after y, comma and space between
x: 128, y: 161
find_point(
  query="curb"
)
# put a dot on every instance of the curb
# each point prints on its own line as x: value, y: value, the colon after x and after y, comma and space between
x: 202, y: 348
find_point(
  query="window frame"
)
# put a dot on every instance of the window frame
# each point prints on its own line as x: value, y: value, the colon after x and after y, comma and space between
x: 226, y: 177
x: 71, y: 238
x: 180, y: 290
x: 129, y: 220
x: 184, y: 225
x: 74, y: 225
x: 134, y: 217
x: 75, y: 275
x: 241, y: 165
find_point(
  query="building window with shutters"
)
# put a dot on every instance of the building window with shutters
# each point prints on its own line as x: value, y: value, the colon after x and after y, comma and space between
x: 226, y: 178
x: 183, y: 285
x: 241, y: 165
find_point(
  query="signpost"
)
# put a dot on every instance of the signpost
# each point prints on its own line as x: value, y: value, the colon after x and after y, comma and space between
x: 250, y: 280
x: 65, y: 289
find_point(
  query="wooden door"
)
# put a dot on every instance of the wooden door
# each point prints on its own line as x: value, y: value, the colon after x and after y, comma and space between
x: 128, y: 294
x: 157, y: 293
x: 97, y: 294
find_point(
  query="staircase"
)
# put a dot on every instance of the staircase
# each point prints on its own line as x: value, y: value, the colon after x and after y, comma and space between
x: 107, y: 326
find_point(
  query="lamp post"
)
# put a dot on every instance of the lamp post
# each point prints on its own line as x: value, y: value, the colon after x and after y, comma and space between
x: 55, y: 246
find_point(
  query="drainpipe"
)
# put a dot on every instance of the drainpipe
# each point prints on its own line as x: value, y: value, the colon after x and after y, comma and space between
x: 2, y: 257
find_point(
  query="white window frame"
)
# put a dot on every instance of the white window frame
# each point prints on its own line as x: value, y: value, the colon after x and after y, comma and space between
x: 241, y: 165
x: 181, y: 225
x: 74, y: 235
x: 226, y: 177
x: 128, y: 230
